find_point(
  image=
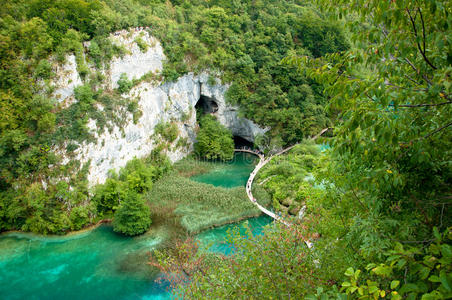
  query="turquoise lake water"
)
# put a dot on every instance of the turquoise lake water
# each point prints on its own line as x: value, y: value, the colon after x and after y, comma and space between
x: 230, y: 174
x: 100, y: 264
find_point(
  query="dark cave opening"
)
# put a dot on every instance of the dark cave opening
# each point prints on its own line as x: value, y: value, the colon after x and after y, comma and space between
x: 240, y: 143
x: 206, y: 105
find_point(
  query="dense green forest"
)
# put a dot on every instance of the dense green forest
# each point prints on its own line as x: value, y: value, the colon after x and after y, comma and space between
x: 377, y: 203
x: 243, y: 41
x: 379, y: 209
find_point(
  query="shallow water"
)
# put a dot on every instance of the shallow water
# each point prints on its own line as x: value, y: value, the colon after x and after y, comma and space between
x: 215, y: 239
x: 100, y: 264
x: 94, y: 265
x: 230, y: 174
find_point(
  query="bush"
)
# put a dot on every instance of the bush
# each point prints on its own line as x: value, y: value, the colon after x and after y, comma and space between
x: 133, y: 216
x: 43, y: 69
x: 167, y: 130
x: 79, y: 217
x: 138, y: 176
x: 214, y: 141
x: 124, y: 84
x: 107, y: 196
x: 141, y: 44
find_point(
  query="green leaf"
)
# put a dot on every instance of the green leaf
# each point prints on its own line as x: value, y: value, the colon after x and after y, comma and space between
x: 445, y: 282
x: 436, y: 234
x: 409, y: 287
x: 361, y: 291
x: 346, y: 284
x: 357, y: 274
x: 446, y: 251
x: 394, y: 284
x: 424, y: 272
x: 382, y: 270
x: 350, y: 272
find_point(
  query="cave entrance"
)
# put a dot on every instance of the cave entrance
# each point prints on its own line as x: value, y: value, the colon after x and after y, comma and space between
x: 206, y: 105
x: 240, y: 143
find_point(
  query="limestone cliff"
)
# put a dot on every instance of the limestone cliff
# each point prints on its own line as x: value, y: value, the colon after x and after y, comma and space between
x: 159, y: 102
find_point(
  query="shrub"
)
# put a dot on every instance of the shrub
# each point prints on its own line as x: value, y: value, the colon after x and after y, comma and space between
x: 167, y: 130
x: 141, y: 44
x: 107, y: 196
x: 43, y: 69
x: 214, y: 141
x: 124, y: 84
x: 79, y: 217
x: 133, y: 216
x: 138, y: 175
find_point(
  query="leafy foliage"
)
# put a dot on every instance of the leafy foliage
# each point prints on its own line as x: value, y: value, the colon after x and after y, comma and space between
x: 133, y: 216
x: 124, y: 84
x: 392, y: 143
x: 426, y: 273
x: 274, y: 265
x: 167, y: 130
x: 214, y: 141
x: 386, y: 179
x: 289, y: 178
x: 245, y: 41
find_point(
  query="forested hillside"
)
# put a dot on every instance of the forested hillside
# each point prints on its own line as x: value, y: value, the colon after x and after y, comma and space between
x: 375, y: 202
x: 243, y: 42
x: 378, y: 212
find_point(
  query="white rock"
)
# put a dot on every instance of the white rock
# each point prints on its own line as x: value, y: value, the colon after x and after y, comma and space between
x: 136, y: 63
x: 169, y: 102
x: 67, y: 78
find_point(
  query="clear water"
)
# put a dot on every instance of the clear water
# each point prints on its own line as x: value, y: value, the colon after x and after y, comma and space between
x: 215, y: 239
x: 100, y: 264
x: 230, y: 174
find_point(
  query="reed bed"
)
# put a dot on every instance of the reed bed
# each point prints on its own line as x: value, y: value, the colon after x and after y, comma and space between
x: 199, y: 206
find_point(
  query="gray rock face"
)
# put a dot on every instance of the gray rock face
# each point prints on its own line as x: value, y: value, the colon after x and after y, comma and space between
x: 169, y: 102
x: 67, y: 79
x: 227, y: 114
x: 137, y: 63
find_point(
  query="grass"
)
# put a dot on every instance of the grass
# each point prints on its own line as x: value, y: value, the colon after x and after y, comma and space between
x: 191, y: 166
x: 198, y: 206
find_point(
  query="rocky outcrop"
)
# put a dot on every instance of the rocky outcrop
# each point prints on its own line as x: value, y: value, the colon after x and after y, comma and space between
x: 227, y: 114
x: 137, y: 62
x: 66, y: 80
x: 159, y: 102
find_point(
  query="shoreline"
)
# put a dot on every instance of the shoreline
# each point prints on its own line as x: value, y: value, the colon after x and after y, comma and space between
x: 208, y: 166
x: 108, y: 221
x: 67, y: 234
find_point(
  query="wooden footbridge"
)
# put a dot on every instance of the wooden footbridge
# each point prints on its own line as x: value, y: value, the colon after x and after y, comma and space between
x: 262, y: 162
x: 254, y: 152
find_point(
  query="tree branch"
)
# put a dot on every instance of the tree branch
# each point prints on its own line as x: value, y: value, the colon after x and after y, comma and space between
x: 437, y: 130
x: 413, y: 23
x: 422, y: 105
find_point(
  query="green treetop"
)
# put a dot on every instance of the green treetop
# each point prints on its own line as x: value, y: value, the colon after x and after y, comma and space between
x: 214, y: 140
x: 133, y: 216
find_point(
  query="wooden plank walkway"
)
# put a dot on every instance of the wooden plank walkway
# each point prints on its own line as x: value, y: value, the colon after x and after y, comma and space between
x: 249, y: 184
x: 261, y: 156
x: 262, y: 162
